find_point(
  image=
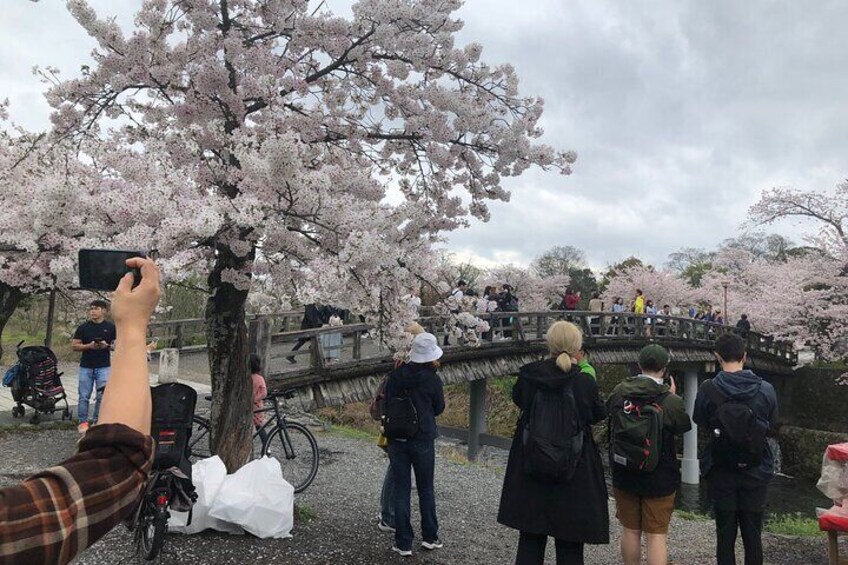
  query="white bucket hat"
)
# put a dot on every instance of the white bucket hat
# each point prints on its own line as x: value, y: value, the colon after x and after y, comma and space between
x: 425, y: 349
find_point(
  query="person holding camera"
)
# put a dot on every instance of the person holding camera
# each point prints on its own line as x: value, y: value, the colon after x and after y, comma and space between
x: 57, y: 513
x: 93, y: 339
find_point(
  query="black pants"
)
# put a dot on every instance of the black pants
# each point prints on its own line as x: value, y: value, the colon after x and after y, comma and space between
x: 531, y: 551
x: 739, y: 502
x: 751, y: 526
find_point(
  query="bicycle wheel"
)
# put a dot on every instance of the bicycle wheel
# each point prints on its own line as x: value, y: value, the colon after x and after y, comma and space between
x: 153, y: 529
x: 295, y: 448
x: 200, y: 442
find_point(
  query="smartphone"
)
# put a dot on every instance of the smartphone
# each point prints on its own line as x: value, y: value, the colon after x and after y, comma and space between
x: 102, y: 269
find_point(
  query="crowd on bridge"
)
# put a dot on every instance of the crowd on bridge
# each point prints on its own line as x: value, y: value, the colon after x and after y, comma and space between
x: 462, y: 304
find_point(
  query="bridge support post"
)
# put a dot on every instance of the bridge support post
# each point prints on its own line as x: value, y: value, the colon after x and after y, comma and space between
x: 476, y: 417
x: 691, y: 467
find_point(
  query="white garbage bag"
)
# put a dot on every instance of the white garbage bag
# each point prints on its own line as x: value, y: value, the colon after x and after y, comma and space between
x: 207, y: 475
x: 257, y: 498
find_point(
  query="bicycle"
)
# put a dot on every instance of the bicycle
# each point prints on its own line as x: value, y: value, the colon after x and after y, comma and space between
x: 169, y: 485
x: 293, y: 440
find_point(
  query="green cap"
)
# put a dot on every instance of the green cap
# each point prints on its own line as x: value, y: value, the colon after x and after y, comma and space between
x: 653, y: 355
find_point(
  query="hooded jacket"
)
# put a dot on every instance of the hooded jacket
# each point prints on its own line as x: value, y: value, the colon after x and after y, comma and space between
x: 742, y: 385
x: 665, y: 479
x: 426, y: 391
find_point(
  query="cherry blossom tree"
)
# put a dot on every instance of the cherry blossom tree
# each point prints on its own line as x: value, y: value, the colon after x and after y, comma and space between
x: 289, y: 126
x: 535, y: 293
x: 829, y: 210
x: 660, y: 286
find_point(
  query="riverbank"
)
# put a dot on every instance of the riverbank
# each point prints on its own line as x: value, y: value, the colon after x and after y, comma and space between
x: 338, y: 513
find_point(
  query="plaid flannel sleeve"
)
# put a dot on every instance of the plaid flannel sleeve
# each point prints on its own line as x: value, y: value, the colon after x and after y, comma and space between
x: 55, y: 514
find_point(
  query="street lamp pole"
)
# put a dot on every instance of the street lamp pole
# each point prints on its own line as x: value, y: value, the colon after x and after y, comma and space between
x: 726, y: 284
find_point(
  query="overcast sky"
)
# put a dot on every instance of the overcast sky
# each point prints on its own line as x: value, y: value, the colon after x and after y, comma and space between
x: 681, y: 112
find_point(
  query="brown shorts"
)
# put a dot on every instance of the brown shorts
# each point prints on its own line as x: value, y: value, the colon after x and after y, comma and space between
x: 650, y: 515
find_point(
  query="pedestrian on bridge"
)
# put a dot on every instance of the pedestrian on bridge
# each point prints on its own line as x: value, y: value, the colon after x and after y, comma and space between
x: 563, y: 496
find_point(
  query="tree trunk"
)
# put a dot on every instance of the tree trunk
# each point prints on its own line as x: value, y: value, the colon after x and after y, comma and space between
x: 232, y: 390
x: 10, y: 297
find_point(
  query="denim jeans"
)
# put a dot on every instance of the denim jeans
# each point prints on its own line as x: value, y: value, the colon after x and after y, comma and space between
x: 405, y: 456
x: 387, y: 498
x: 89, y: 380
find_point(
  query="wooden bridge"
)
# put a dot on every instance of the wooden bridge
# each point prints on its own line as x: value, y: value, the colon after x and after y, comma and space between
x: 516, y: 338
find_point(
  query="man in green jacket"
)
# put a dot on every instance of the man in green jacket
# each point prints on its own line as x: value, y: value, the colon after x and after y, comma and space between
x: 644, y: 490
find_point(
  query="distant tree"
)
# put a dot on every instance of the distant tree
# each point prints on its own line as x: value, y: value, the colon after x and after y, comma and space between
x: 614, y: 270
x: 771, y: 247
x: 559, y: 260
x: 691, y: 262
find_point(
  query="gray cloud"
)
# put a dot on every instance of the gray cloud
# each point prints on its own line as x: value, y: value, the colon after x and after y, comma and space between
x: 682, y: 112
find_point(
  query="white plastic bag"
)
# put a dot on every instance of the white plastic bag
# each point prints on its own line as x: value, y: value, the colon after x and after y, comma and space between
x: 257, y: 498
x: 207, y: 475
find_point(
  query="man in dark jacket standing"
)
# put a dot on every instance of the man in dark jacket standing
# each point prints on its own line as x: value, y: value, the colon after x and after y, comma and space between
x: 645, y: 500
x: 737, y: 489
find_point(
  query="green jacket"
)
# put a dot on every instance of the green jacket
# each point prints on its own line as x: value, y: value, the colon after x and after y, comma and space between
x: 665, y: 479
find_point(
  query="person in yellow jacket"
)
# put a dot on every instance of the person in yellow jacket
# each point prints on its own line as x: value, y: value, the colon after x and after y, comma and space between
x: 639, y: 302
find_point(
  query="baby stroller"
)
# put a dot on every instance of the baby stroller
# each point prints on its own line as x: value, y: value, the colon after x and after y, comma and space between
x: 169, y: 486
x: 35, y: 381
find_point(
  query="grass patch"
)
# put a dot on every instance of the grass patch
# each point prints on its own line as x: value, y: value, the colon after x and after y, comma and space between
x: 352, y: 433
x: 793, y: 525
x: 303, y: 513
x: 691, y: 516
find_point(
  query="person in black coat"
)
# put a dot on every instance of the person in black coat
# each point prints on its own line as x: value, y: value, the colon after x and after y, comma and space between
x: 314, y: 316
x: 574, y: 512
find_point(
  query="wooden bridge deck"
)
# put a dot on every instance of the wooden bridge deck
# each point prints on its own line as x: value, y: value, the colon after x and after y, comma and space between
x: 362, y: 362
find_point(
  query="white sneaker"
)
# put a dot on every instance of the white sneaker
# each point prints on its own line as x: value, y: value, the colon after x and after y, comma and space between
x: 402, y: 552
x: 383, y: 527
x: 433, y: 544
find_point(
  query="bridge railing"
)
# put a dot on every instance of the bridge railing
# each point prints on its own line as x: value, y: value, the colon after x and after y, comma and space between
x: 277, y: 339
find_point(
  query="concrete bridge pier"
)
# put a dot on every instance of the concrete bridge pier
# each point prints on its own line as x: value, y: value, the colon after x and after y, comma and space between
x: 476, y: 416
x: 691, y: 468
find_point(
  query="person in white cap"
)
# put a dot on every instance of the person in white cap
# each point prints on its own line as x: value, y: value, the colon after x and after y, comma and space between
x: 414, y: 397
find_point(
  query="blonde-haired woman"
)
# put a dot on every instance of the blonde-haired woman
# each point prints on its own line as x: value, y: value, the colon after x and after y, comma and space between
x: 571, y: 508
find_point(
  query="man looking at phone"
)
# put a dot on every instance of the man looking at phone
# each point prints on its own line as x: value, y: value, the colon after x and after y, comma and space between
x: 94, y: 339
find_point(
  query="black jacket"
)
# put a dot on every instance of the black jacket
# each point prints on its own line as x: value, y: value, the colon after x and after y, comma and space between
x: 426, y: 391
x: 742, y: 385
x: 665, y: 479
x: 313, y: 317
x: 577, y: 510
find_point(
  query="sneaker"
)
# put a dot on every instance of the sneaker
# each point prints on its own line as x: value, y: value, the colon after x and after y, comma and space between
x: 432, y: 544
x: 384, y: 527
x: 402, y: 552
x: 83, y: 427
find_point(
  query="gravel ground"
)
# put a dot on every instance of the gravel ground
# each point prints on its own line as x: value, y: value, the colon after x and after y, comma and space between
x: 344, y: 499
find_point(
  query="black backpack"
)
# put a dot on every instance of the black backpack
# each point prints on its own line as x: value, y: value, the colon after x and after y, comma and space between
x: 552, y: 439
x: 173, y: 409
x: 738, y: 435
x: 636, y: 431
x: 400, y: 418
